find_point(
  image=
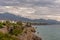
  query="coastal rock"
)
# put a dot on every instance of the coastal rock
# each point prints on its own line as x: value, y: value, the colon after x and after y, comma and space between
x: 4, y: 30
x: 28, y: 34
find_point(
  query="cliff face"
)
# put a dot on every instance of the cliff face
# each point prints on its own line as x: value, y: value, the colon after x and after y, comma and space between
x: 28, y: 34
x: 19, y: 31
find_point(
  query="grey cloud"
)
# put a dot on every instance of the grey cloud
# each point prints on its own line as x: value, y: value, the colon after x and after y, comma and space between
x: 26, y: 2
x: 48, y: 7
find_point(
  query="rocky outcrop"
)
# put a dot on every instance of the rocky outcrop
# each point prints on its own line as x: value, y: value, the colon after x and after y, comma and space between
x: 28, y: 34
x: 4, y: 29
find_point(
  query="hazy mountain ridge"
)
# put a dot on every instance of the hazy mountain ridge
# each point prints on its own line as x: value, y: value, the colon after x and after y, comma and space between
x: 9, y: 16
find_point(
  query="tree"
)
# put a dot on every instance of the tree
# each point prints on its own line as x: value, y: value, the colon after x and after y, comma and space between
x: 19, y: 23
x: 6, y: 37
x: 1, y: 25
x: 28, y: 24
x: 16, y: 30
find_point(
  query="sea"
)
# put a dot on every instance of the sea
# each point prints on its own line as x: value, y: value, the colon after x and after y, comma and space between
x: 48, y: 32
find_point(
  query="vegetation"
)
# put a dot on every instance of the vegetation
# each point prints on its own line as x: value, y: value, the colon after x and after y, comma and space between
x: 19, y: 23
x: 12, y: 29
x: 16, y: 30
x: 6, y: 37
x: 40, y: 23
x: 1, y: 25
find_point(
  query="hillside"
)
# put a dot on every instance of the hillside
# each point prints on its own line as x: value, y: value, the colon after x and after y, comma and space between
x: 17, y: 31
x: 9, y: 16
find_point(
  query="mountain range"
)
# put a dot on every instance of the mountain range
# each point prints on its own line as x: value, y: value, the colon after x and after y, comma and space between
x: 9, y: 16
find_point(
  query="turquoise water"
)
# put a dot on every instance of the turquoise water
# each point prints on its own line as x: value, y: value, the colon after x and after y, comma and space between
x: 48, y: 32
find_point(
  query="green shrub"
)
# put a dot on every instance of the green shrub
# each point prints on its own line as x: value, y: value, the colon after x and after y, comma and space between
x: 17, y: 31
x: 6, y: 37
x: 1, y: 25
x: 19, y: 23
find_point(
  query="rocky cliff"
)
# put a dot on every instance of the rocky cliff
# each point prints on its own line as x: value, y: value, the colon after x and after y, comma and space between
x: 17, y: 30
x: 28, y: 34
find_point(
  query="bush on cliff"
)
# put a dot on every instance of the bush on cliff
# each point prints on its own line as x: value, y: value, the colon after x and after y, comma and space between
x: 16, y: 30
x: 1, y: 25
x: 6, y: 37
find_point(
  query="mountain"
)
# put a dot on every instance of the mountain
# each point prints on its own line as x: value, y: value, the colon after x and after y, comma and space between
x: 49, y: 21
x: 9, y: 16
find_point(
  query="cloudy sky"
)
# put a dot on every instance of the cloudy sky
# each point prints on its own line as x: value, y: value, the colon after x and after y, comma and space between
x: 33, y: 9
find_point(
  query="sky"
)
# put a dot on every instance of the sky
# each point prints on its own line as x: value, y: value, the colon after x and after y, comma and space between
x: 32, y: 9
